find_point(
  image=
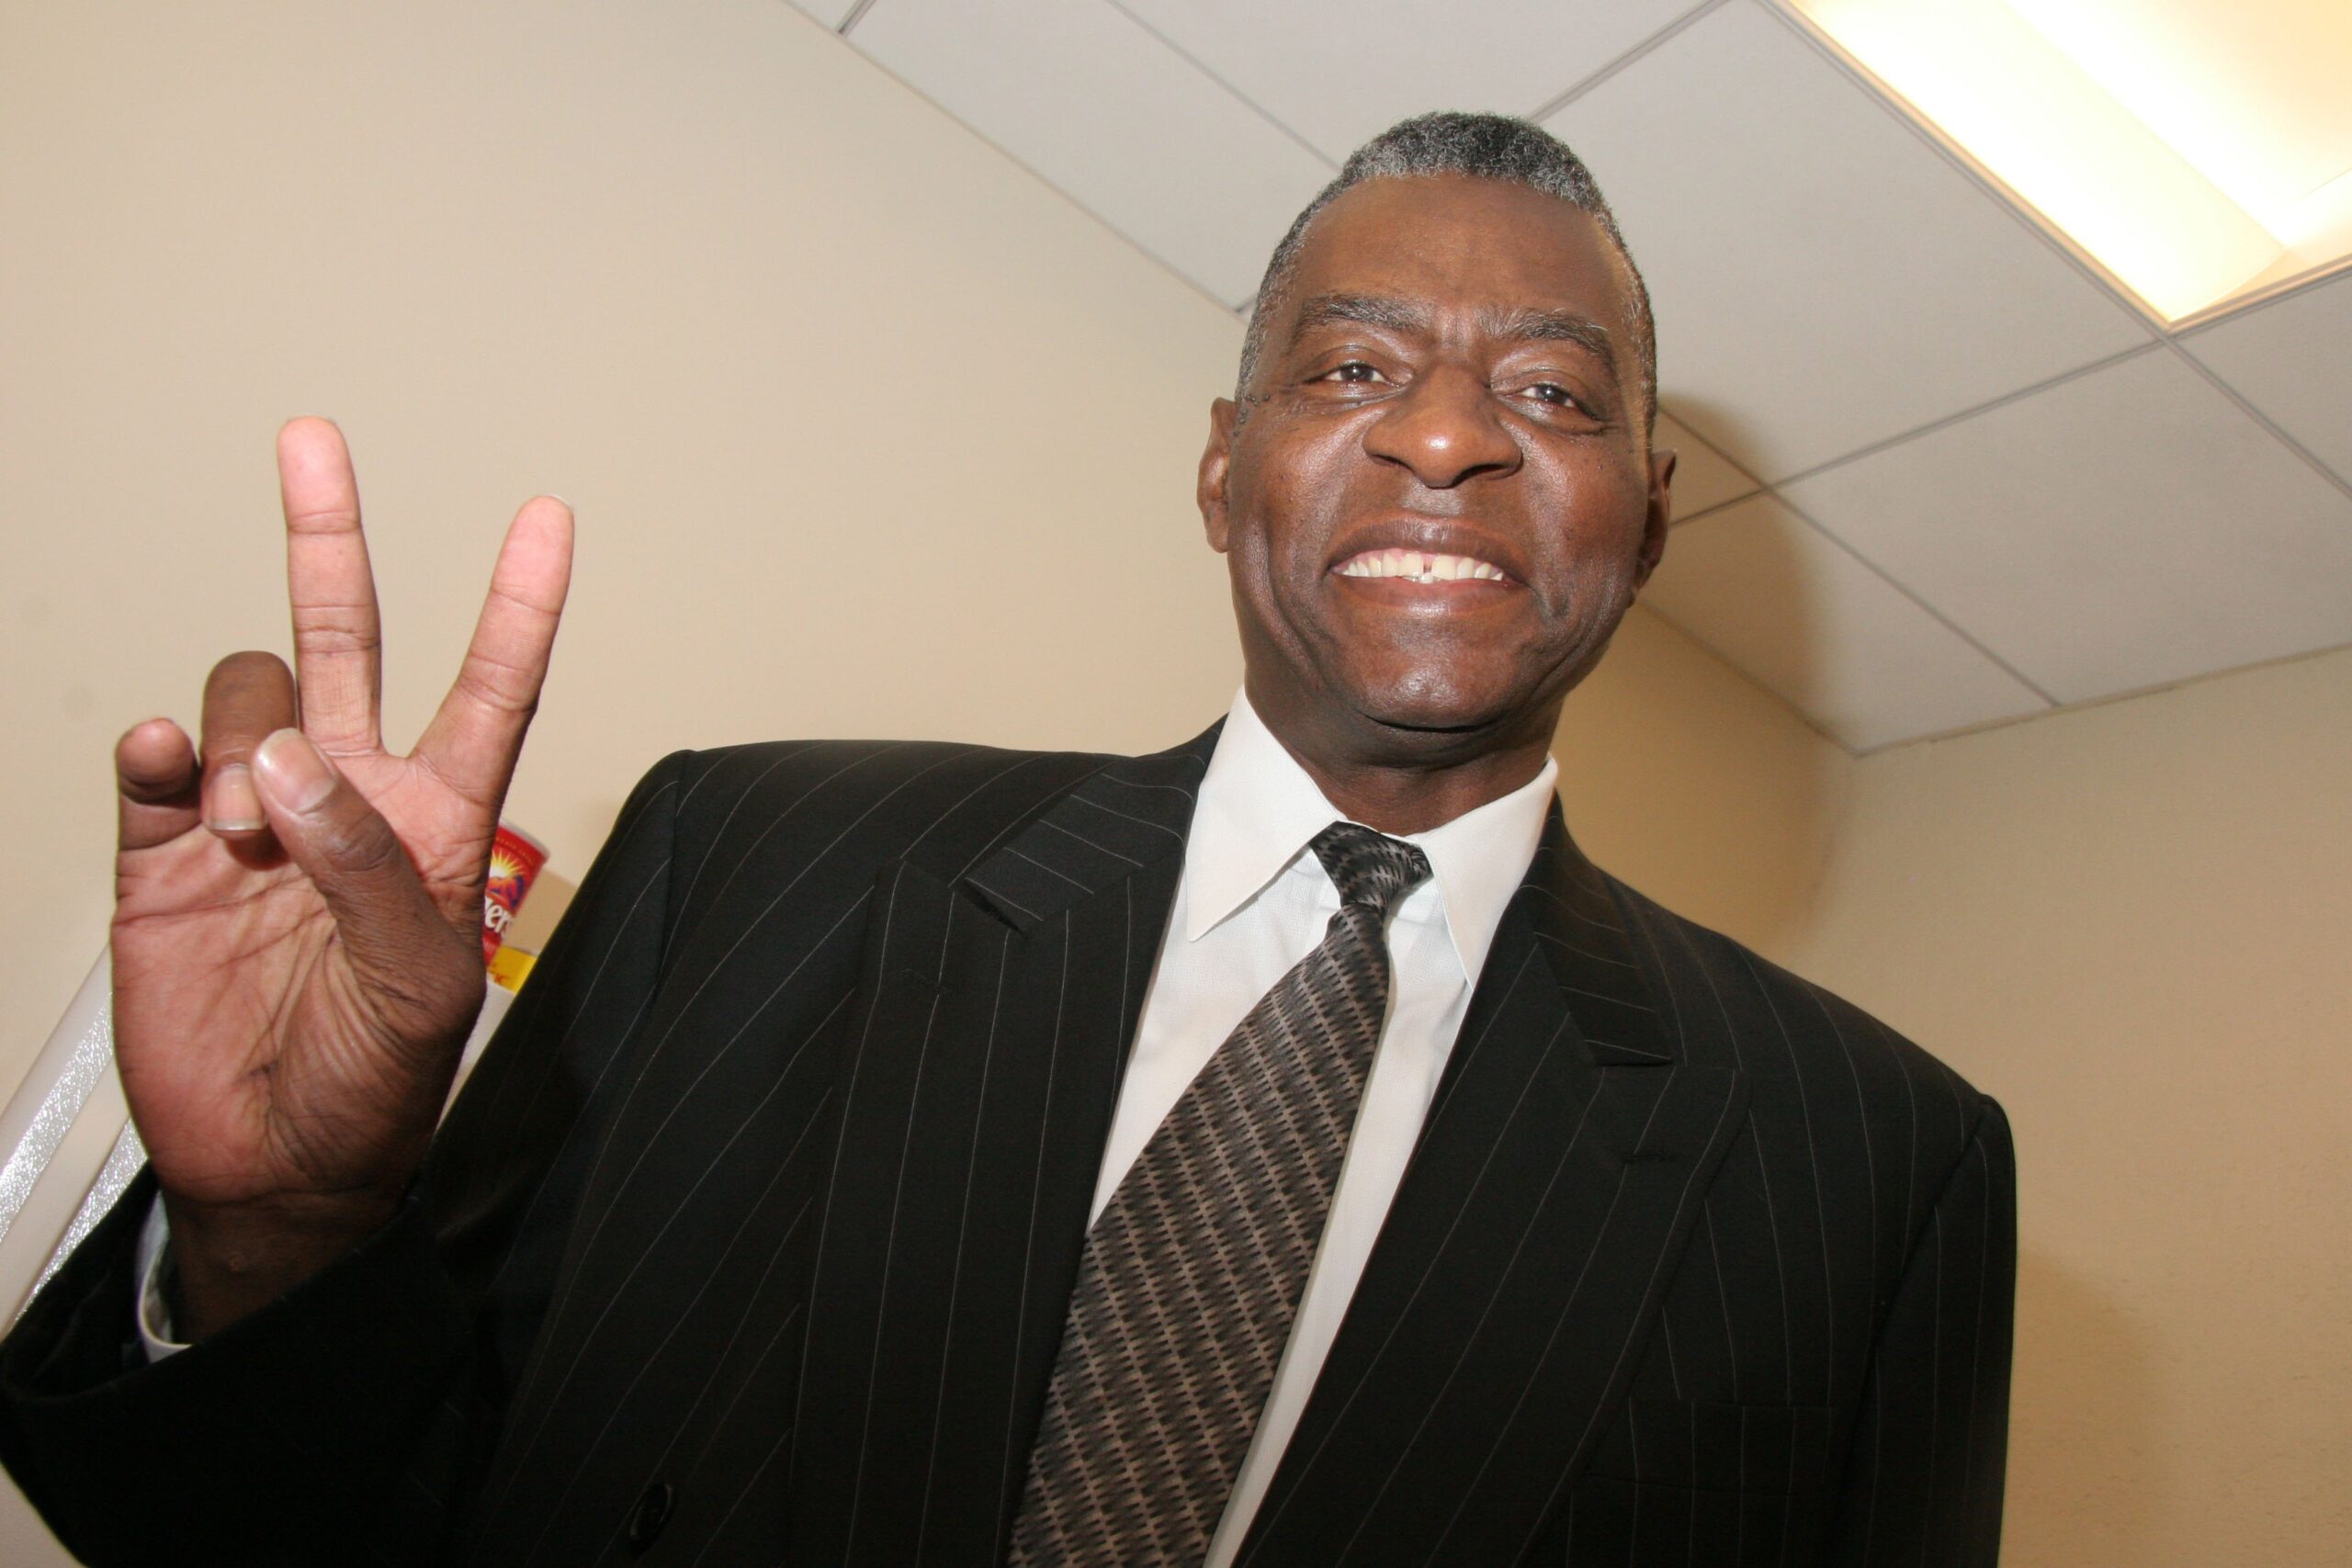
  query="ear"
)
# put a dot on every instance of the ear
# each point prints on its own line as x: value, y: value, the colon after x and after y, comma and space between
x: 1657, y: 516
x: 1216, y: 462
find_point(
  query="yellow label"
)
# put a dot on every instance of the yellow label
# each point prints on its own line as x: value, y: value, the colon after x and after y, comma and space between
x: 511, y: 966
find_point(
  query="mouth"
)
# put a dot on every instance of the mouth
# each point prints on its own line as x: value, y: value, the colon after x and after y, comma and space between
x: 1422, y: 567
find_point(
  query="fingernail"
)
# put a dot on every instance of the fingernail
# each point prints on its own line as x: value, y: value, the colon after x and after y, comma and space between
x: 292, y: 770
x: 236, y: 807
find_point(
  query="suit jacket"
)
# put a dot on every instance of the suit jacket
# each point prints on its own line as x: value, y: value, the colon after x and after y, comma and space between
x: 750, y: 1240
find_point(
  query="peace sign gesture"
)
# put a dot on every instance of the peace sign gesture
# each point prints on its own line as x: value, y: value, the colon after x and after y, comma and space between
x: 296, y: 938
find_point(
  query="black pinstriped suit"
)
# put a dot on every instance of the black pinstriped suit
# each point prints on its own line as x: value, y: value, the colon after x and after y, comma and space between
x: 751, y: 1241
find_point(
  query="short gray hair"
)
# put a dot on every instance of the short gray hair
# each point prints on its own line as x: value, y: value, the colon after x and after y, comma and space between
x: 1482, y: 146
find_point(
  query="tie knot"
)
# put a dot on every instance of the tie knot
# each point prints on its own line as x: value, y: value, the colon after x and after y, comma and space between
x: 1368, y: 868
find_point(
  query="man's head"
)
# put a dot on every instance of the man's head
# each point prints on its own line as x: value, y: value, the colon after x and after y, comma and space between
x: 1478, y: 146
x: 1450, y: 359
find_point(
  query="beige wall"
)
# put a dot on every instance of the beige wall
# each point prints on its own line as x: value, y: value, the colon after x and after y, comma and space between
x: 1689, y: 780
x: 2134, y: 925
x: 870, y: 433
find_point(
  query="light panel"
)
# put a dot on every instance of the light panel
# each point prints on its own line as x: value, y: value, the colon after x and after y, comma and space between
x: 2199, y: 149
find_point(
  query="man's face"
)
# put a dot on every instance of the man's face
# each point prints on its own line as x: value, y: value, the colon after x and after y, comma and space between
x: 1442, y: 499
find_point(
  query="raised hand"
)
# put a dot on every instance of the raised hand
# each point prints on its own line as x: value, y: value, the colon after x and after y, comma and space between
x: 297, y: 948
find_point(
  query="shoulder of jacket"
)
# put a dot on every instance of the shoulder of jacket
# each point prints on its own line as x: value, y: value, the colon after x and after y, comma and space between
x: 1820, y: 1028
x: 725, y: 793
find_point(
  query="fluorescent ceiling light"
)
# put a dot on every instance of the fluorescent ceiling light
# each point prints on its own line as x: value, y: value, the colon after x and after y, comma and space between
x: 2199, y: 149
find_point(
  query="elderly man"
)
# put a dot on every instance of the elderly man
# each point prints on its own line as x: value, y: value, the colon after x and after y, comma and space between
x: 1284, y: 1149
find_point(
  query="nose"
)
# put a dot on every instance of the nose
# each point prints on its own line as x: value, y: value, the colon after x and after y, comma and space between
x: 1445, y: 428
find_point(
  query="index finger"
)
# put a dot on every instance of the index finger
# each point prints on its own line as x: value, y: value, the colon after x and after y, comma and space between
x: 339, y: 640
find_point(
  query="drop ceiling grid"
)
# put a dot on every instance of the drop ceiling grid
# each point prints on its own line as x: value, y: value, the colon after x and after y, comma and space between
x: 2294, y: 382
x: 1803, y: 27
x: 1704, y: 479
x: 1785, y: 603
x: 1799, y: 323
x: 1106, y: 113
x: 2335, y: 393
x: 2290, y: 358
x: 1339, y: 72
x: 2124, y: 529
x: 2117, y: 530
x: 834, y: 14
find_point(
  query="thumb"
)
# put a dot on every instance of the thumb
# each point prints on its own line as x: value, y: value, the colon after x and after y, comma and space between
x: 390, y: 927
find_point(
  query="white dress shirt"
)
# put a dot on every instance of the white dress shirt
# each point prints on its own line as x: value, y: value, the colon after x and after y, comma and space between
x: 1251, y: 903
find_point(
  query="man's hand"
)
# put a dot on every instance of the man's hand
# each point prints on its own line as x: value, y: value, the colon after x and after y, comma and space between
x: 297, y: 947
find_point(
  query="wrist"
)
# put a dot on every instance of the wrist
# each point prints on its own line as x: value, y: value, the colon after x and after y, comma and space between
x: 228, y: 1260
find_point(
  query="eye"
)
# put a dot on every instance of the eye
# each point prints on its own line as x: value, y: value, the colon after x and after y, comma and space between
x: 1355, y: 373
x: 1560, y: 402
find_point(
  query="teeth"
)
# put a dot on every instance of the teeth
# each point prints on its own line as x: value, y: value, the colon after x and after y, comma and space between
x: 1419, y: 566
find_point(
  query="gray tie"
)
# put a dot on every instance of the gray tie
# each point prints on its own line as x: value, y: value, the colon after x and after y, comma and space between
x: 1190, y: 1280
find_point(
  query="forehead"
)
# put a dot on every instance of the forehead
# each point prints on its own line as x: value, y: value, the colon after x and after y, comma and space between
x: 1451, y: 242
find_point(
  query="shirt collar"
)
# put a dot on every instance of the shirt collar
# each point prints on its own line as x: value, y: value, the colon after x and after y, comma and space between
x: 1258, y: 809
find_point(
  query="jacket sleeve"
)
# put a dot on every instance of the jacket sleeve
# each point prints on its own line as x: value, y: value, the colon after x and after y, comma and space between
x: 363, y: 1400
x: 1924, y: 1470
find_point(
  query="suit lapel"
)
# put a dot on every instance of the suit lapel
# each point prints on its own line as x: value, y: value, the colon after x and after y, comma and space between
x: 997, y: 1001
x: 1501, y: 1312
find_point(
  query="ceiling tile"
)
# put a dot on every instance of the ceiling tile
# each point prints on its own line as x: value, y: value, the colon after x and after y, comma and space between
x: 2293, y: 359
x: 1703, y: 478
x: 1823, y: 278
x: 1112, y: 118
x: 1792, y: 611
x: 832, y: 13
x: 1338, y: 71
x: 2126, y: 528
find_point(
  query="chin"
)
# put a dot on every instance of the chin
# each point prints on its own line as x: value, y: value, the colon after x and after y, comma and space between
x: 1435, y: 702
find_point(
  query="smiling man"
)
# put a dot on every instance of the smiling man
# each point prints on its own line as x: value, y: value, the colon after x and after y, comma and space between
x: 1436, y: 492
x: 1286, y: 1149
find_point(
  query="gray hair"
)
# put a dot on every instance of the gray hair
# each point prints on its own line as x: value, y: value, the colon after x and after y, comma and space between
x: 1482, y: 146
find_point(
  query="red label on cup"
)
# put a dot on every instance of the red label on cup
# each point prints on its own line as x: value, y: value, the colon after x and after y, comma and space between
x: 514, y: 860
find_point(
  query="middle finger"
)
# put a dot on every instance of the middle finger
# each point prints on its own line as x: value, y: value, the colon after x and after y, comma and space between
x: 246, y: 697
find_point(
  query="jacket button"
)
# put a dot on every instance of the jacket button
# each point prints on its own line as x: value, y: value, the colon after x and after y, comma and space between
x: 652, y: 1511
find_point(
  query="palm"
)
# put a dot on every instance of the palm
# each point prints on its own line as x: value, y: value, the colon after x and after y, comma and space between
x: 287, y: 1021
x: 249, y: 1034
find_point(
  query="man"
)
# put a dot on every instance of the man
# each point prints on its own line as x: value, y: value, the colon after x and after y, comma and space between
x: 1284, y: 1149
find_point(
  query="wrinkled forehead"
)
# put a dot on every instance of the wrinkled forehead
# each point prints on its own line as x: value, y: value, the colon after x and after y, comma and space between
x: 1450, y: 243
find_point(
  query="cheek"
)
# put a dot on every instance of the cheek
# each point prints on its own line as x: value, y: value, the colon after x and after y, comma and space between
x: 1594, y: 562
x: 1285, y: 521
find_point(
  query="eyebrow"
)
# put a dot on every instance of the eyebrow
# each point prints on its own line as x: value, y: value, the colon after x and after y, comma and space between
x: 1405, y: 316
x: 1360, y: 309
x: 1553, y: 326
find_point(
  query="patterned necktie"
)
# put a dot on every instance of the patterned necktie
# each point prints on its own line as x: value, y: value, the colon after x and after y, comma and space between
x: 1191, y: 1278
